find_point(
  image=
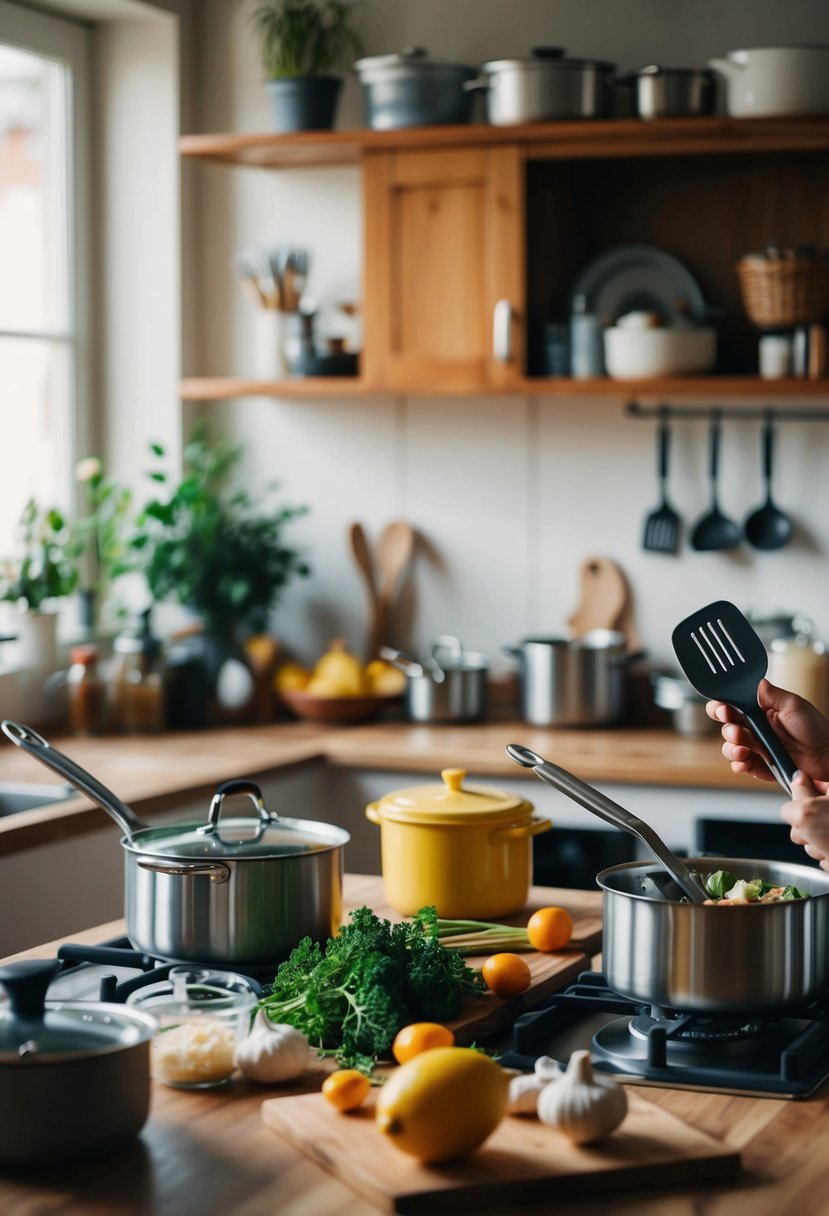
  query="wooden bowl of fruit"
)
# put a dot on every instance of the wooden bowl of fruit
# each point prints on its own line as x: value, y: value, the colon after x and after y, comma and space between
x: 339, y: 688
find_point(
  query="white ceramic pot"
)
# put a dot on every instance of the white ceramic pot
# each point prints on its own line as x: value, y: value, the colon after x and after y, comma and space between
x: 775, y: 80
x: 643, y: 354
x: 35, y: 657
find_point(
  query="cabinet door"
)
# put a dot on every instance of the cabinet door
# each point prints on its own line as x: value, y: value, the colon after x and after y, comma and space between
x: 444, y: 269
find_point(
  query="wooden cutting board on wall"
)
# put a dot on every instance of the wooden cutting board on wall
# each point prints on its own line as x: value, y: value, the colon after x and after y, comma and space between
x: 522, y: 1162
x: 550, y: 972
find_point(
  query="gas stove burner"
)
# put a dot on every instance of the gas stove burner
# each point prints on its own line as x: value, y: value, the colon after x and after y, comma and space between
x: 783, y: 1057
x: 698, y: 1030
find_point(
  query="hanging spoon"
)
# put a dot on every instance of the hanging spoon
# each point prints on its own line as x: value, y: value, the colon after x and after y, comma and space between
x: 715, y: 530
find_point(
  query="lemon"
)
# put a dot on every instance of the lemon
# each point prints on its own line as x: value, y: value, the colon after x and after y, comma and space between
x: 291, y: 676
x: 340, y: 673
x: 443, y: 1103
x: 384, y: 678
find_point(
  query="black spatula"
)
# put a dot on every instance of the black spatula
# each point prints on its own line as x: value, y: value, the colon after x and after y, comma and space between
x: 724, y: 659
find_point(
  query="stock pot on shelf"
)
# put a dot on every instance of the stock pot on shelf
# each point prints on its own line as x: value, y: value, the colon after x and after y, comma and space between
x: 573, y: 681
x: 466, y: 850
x: 241, y: 891
x: 545, y: 86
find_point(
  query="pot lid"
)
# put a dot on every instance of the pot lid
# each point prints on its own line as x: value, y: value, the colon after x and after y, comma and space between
x: 655, y: 69
x: 452, y: 803
x: 33, y: 1032
x: 411, y: 56
x: 544, y: 58
x: 262, y: 837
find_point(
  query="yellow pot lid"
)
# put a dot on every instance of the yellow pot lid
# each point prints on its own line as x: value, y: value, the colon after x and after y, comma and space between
x: 453, y: 803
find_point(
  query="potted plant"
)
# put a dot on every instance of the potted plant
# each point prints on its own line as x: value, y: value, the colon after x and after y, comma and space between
x: 300, y: 42
x: 99, y: 537
x: 217, y: 551
x: 34, y: 582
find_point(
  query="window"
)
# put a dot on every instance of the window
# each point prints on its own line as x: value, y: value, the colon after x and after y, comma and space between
x: 44, y: 288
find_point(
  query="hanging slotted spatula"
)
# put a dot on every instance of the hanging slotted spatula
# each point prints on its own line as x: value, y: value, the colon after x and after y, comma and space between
x: 725, y: 660
x: 662, y: 525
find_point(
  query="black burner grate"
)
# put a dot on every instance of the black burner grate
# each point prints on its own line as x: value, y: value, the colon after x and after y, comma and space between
x: 776, y: 1057
x: 119, y: 952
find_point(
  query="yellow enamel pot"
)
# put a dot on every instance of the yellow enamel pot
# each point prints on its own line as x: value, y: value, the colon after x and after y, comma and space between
x: 467, y: 850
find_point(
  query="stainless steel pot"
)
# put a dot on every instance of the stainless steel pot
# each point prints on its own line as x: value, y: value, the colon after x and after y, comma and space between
x: 74, y: 1076
x: 447, y: 685
x: 238, y: 891
x: 412, y: 90
x: 687, y: 708
x: 573, y: 682
x: 700, y: 958
x: 672, y: 92
x: 544, y: 87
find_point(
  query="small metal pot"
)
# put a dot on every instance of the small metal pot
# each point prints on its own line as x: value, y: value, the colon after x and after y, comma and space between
x: 447, y: 685
x: 684, y: 703
x: 74, y: 1076
x: 412, y: 90
x: 672, y: 92
x: 238, y: 891
x: 704, y: 959
x: 544, y: 87
x: 573, y: 682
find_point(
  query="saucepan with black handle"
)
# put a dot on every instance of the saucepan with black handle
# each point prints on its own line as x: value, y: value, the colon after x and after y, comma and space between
x: 664, y: 946
x: 240, y: 891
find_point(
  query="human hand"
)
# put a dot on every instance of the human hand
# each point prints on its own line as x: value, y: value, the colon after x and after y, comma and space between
x: 800, y: 727
x: 808, y: 815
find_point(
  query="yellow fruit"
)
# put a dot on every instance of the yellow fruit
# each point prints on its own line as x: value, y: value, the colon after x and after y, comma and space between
x: 346, y: 1088
x: 384, y: 679
x: 340, y: 671
x: 262, y: 652
x: 443, y: 1103
x: 550, y: 929
x: 418, y: 1037
x: 291, y: 677
x: 323, y: 686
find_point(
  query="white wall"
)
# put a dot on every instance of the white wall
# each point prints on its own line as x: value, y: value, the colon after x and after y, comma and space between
x: 510, y: 494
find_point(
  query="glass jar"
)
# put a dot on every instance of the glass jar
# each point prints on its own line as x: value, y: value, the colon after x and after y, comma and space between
x: 87, y: 692
x: 138, y: 689
x: 201, y: 1016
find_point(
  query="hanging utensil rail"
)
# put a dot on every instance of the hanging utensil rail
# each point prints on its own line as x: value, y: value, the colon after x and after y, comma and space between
x: 634, y: 410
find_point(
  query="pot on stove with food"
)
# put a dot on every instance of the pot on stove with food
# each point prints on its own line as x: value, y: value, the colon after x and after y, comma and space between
x: 466, y: 849
x: 241, y: 890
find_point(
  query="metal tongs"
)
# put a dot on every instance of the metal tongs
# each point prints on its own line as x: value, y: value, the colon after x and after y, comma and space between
x: 599, y: 804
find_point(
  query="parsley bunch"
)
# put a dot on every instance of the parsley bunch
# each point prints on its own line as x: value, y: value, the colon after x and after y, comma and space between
x: 373, y: 978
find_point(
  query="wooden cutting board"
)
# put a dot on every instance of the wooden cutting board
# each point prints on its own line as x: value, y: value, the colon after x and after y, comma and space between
x: 550, y: 972
x: 522, y: 1162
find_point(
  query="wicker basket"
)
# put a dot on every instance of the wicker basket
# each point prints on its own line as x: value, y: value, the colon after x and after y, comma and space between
x: 786, y: 291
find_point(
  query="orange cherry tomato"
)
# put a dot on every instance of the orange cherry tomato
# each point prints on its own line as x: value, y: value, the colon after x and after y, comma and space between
x: 346, y: 1088
x: 550, y: 929
x: 506, y: 974
x: 418, y: 1037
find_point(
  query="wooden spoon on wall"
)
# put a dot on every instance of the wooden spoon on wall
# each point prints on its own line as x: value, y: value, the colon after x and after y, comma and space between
x: 393, y: 554
x: 362, y: 555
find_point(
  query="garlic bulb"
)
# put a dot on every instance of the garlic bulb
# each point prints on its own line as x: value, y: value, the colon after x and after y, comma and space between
x: 272, y: 1051
x: 583, y: 1105
x: 525, y: 1087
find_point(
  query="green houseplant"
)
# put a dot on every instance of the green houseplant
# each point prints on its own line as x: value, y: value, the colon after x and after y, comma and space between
x: 213, y: 548
x: 99, y: 537
x: 301, y: 42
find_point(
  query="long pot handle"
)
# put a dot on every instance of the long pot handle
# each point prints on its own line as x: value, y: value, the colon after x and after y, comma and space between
x: 33, y: 743
x: 214, y: 870
x: 519, y: 831
x: 605, y: 808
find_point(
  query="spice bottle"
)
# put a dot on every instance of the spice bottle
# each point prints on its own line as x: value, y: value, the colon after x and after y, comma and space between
x: 87, y: 692
x: 139, y: 685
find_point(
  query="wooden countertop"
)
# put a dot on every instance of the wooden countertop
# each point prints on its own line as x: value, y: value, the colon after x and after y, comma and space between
x: 157, y: 773
x: 209, y: 1152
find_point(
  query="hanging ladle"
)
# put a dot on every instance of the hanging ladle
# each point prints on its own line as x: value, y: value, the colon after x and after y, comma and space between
x: 768, y: 527
x: 592, y: 800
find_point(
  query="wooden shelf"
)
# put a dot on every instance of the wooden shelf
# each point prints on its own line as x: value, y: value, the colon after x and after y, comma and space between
x: 206, y: 388
x: 542, y: 141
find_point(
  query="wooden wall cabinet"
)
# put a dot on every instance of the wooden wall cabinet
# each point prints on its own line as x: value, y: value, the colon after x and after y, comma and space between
x: 474, y: 236
x: 444, y: 269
